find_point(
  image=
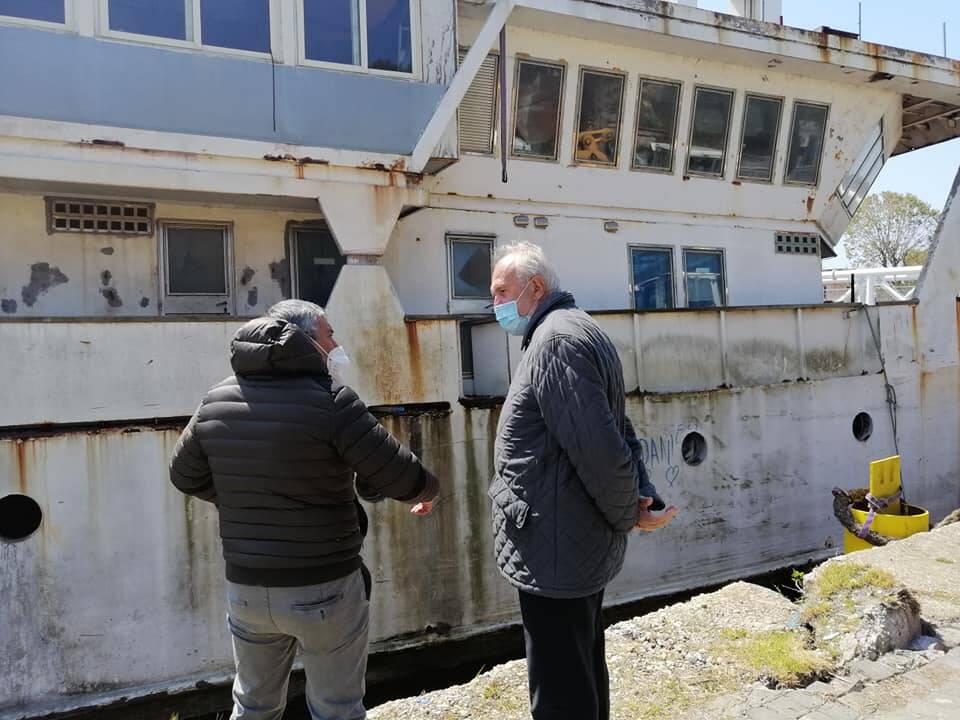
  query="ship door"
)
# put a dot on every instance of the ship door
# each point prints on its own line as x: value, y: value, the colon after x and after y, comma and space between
x: 315, y: 261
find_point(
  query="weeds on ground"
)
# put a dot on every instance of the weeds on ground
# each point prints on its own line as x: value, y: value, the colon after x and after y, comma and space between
x: 835, y: 578
x: 780, y: 655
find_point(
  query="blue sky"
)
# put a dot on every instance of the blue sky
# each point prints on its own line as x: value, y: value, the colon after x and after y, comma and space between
x: 916, y: 25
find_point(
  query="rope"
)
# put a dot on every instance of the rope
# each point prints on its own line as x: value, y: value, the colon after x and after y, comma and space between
x: 891, y: 391
x: 842, y: 510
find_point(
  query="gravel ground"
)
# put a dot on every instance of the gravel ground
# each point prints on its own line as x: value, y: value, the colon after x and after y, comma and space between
x: 665, y: 664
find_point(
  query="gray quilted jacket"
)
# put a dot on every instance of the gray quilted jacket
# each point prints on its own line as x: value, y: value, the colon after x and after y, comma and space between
x: 567, y: 461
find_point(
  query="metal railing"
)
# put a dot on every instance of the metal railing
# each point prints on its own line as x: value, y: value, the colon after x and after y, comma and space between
x: 862, y: 285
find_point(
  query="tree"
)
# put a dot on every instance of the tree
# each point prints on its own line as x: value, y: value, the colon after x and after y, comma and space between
x: 887, y: 228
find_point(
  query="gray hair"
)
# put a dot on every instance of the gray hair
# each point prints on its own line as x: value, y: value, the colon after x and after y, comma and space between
x: 301, y: 313
x: 528, y: 260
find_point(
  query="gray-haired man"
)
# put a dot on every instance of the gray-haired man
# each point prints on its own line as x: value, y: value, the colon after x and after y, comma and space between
x: 278, y: 447
x: 569, y: 485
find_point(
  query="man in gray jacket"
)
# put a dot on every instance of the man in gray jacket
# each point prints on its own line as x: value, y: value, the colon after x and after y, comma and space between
x: 278, y: 448
x: 569, y: 486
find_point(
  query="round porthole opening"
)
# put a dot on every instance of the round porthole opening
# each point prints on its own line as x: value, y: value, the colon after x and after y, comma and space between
x: 862, y: 426
x: 694, y: 449
x: 20, y: 517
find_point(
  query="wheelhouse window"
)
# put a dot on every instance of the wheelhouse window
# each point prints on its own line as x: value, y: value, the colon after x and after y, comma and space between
x: 599, y: 108
x: 806, y: 143
x: 236, y: 24
x: 537, y: 101
x: 372, y: 34
x: 709, y: 131
x: 758, y: 143
x: 859, y: 179
x: 171, y: 19
x: 652, y: 278
x: 657, y: 106
x: 51, y: 11
x: 705, y: 281
x: 231, y: 24
x: 470, y: 264
x: 196, y: 267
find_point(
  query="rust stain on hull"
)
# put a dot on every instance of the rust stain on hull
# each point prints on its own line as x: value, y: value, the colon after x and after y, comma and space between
x: 416, y: 359
x: 21, y: 467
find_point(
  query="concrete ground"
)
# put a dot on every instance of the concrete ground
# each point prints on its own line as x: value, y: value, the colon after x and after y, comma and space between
x: 881, y: 690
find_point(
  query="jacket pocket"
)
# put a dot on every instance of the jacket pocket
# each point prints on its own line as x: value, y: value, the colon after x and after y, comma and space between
x: 510, y: 504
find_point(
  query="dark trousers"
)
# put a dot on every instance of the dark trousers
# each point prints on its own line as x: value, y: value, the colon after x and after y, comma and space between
x: 566, y: 667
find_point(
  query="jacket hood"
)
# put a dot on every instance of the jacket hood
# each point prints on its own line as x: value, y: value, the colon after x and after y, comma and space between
x: 554, y: 301
x: 268, y: 346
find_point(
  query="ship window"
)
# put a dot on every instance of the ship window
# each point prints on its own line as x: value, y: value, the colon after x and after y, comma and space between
x: 338, y: 31
x: 51, y: 11
x: 657, y: 107
x: 598, y: 117
x: 157, y: 18
x: 536, y: 103
x: 470, y: 265
x: 806, y: 143
x: 231, y: 24
x: 236, y: 24
x: 859, y: 179
x: 652, y: 278
x: 476, y: 116
x: 758, y: 145
x: 196, y: 263
x: 709, y: 131
x: 704, y: 274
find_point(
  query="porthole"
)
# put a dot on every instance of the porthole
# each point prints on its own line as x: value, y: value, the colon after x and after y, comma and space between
x: 20, y: 517
x: 862, y: 426
x: 694, y: 449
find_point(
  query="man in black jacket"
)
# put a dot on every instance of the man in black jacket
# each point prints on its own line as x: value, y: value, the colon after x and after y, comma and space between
x: 279, y: 447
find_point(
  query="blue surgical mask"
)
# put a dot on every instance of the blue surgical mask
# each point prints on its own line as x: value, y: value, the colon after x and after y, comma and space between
x: 510, y: 318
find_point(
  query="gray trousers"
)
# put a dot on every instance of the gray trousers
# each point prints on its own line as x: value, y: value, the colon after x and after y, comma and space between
x: 327, y: 623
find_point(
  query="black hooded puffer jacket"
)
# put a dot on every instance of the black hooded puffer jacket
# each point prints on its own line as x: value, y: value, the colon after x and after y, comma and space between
x: 278, y: 447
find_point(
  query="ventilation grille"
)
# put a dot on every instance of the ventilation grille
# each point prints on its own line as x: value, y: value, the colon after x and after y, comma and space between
x: 70, y: 215
x: 793, y: 244
x: 477, y: 114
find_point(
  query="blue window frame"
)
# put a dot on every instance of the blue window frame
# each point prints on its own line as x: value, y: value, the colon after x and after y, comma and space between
x: 652, y: 270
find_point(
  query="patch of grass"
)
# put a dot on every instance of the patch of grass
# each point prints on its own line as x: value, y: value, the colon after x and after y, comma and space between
x: 945, y: 561
x: 733, y: 633
x: 814, y: 611
x: 780, y: 655
x: 672, y: 697
x: 838, y: 577
x: 493, y: 690
x: 499, y: 699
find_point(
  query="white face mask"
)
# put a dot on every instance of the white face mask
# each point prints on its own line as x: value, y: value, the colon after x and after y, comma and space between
x: 337, y: 361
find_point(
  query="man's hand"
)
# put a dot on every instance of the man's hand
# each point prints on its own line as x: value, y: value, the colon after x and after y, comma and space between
x: 423, y: 508
x: 647, y: 521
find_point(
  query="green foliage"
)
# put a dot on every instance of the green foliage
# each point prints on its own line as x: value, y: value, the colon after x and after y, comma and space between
x: 887, y: 228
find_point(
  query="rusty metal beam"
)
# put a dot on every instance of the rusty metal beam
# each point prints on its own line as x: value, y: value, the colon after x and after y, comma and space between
x: 930, y: 118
